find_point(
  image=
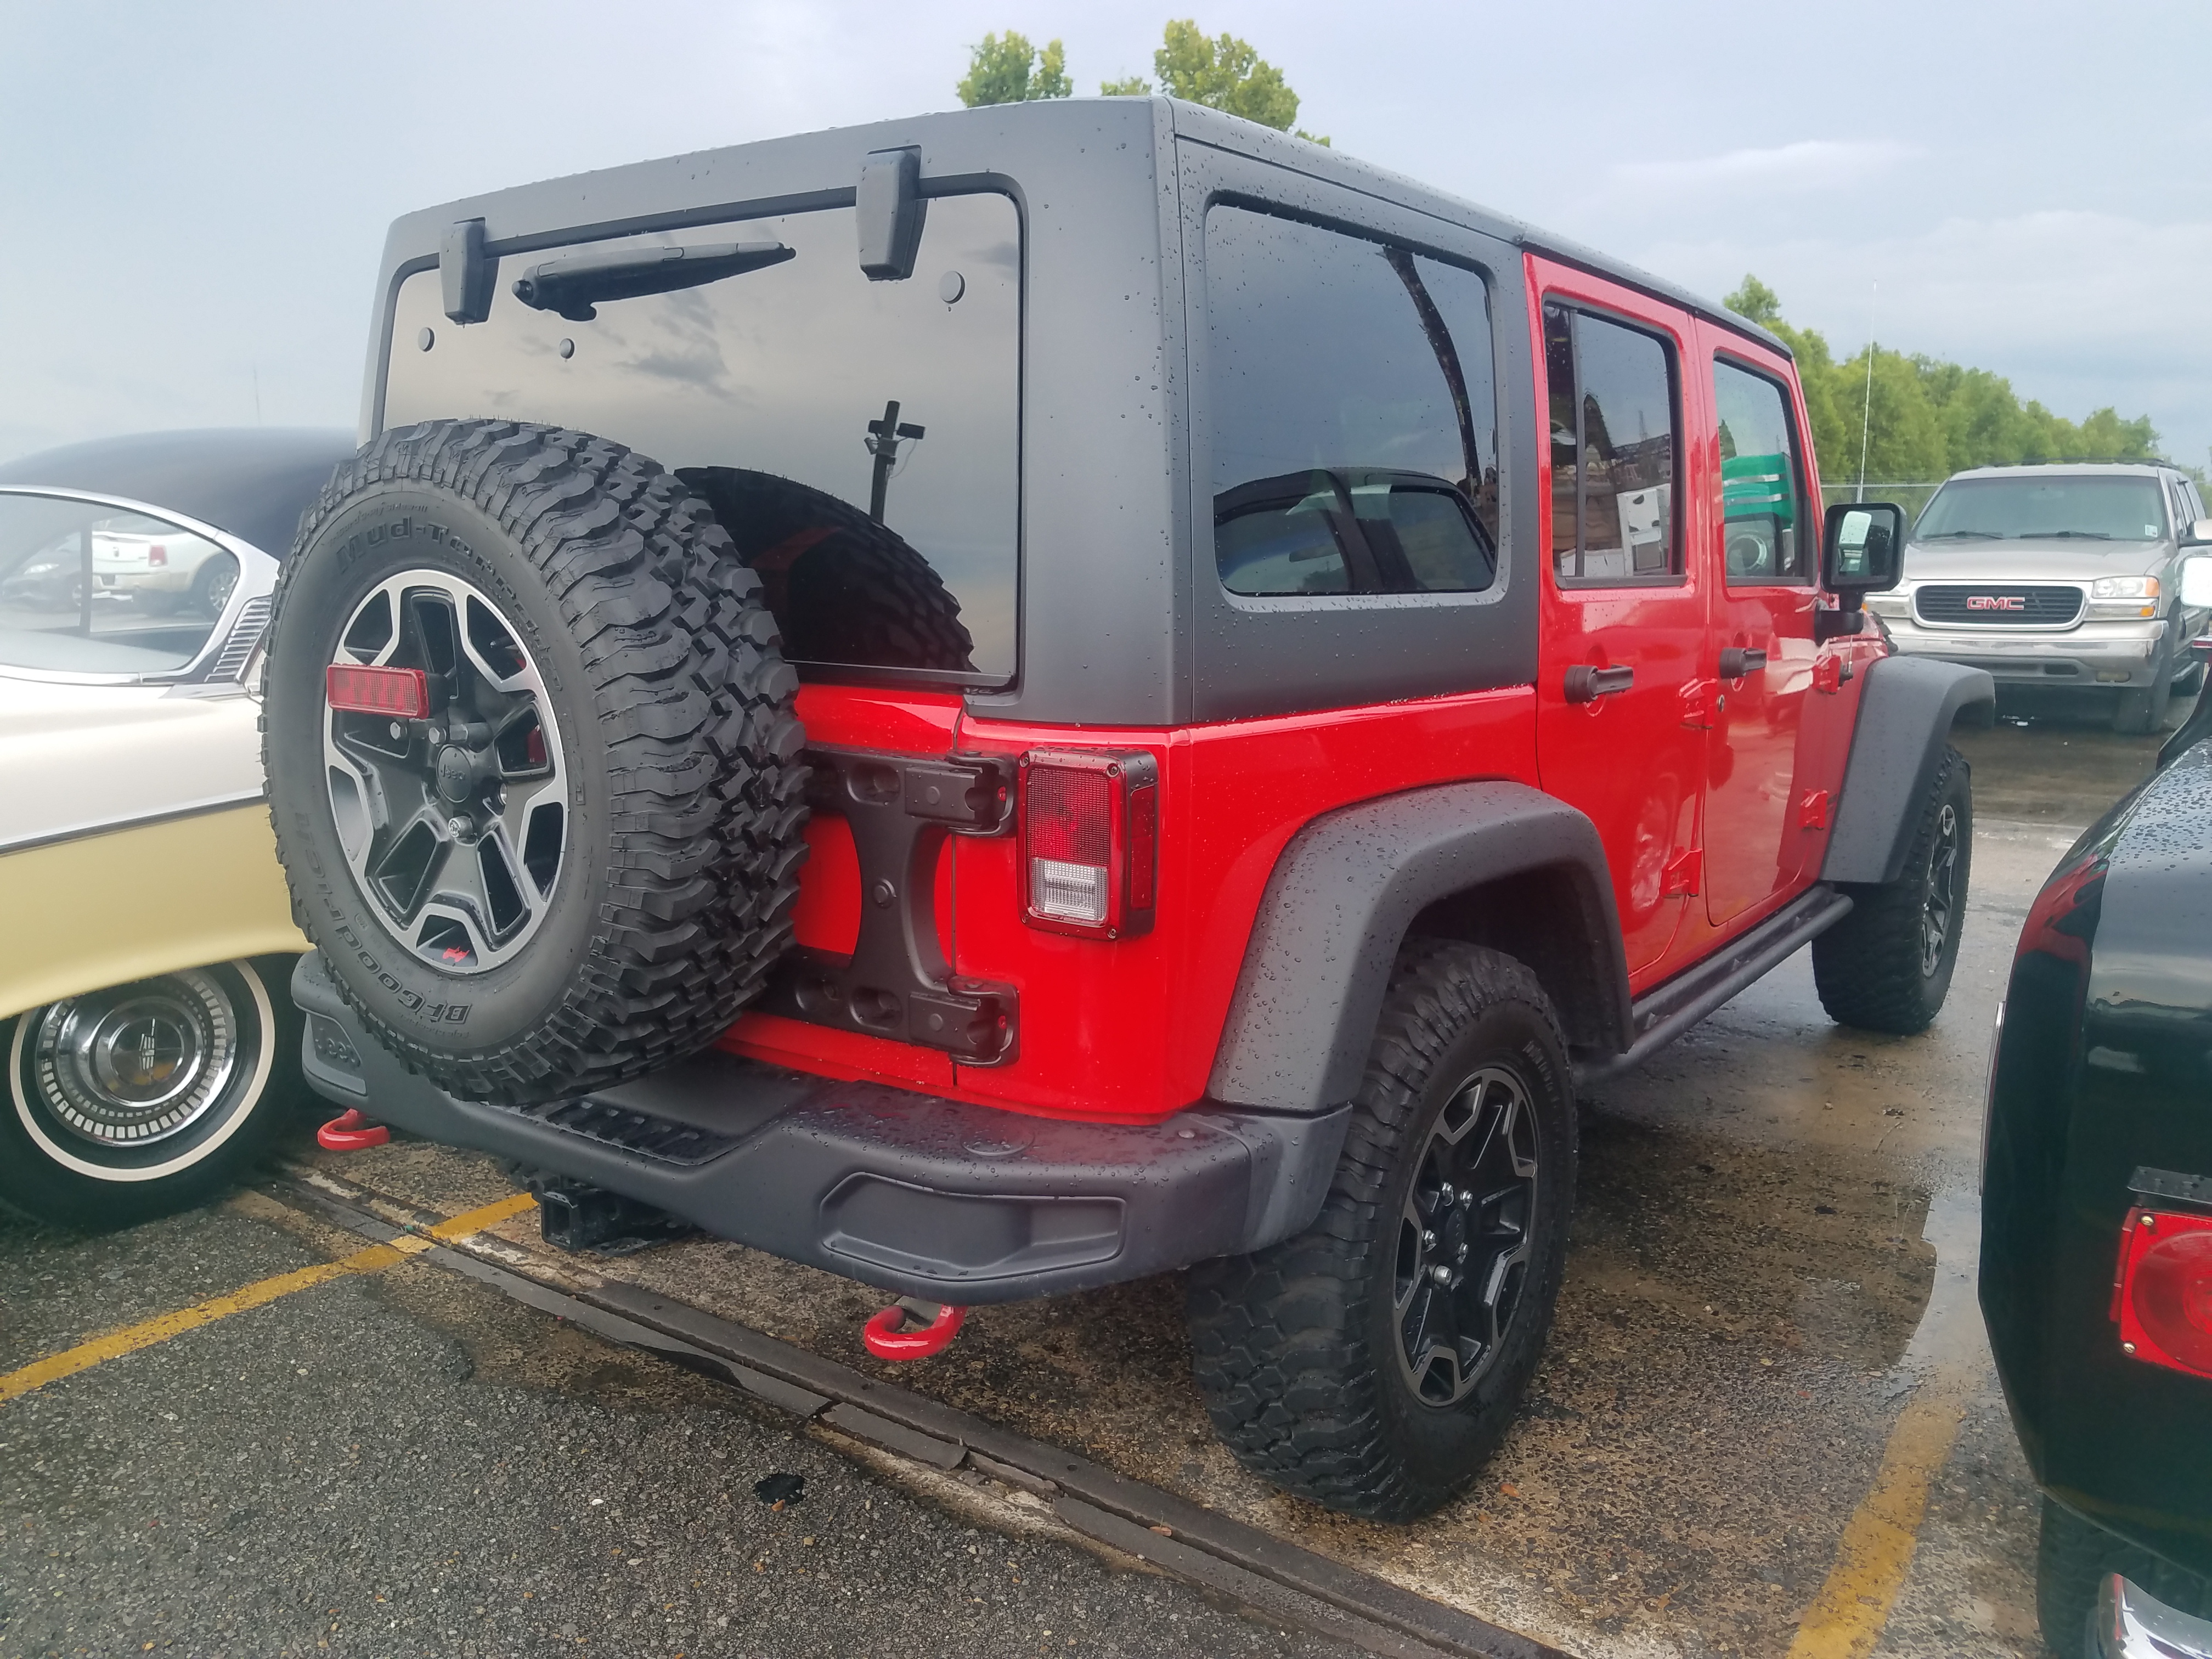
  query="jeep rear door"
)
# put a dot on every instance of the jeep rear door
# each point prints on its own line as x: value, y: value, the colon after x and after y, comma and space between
x: 1619, y: 723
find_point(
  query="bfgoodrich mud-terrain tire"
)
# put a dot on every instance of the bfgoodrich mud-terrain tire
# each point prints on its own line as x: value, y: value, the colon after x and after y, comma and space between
x: 843, y: 587
x: 581, y: 862
x: 1373, y: 1363
x: 1888, y: 966
x: 2071, y: 1560
x: 135, y: 1102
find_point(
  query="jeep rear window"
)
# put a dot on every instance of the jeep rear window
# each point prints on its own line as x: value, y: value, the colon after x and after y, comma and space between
x: 2089, y: 508
x: 770, y: 392
x: 1354, y: 419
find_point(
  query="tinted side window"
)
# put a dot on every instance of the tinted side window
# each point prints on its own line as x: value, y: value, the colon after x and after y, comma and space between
x: 1611, y: 392
x: 1353, y: 411
x: 1762, y: 484
x: 770, y: 391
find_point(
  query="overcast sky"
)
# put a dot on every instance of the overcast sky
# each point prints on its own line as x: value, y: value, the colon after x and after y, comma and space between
x: 192, y: 198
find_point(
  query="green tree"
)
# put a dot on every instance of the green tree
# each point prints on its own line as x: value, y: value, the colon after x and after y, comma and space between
x: 1007, y: 69
x: 1225, y: 73
x: 1925, y: 419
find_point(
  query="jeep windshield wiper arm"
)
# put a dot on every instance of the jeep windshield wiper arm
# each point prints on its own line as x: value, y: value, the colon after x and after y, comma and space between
x: 573, y: 285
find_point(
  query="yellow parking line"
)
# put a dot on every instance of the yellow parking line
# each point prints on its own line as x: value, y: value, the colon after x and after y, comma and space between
x: 1846, y: 1618
x: 160, y: 1329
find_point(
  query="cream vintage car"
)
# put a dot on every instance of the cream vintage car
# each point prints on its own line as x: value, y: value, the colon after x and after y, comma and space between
x: 145, y: 934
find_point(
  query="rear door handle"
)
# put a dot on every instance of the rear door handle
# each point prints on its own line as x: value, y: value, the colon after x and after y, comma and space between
x: 1737, y: 661
x: 1585, y: 683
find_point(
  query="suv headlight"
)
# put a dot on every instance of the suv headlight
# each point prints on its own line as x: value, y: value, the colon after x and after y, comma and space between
x: 2114, y: 597
x: 2124, y: 587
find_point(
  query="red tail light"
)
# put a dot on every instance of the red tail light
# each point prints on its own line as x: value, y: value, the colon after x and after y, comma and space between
x: 404, y: 692
x: 157, y: 554
x: 2163, y: 1300
x: 1090, y: 842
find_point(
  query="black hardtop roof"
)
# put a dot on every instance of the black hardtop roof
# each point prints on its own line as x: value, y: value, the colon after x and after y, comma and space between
x: 253, y: 482
x: 818, y: 168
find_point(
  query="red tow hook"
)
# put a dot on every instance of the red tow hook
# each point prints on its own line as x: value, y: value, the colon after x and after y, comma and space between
x: 350, y: 1132
x: 884, y: 1339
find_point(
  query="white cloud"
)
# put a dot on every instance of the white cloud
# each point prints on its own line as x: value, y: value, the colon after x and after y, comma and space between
x: 2077, y: 309
x: 1807, y: 164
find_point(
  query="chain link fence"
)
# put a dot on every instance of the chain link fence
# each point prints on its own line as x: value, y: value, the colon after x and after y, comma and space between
x: 1910, y: 496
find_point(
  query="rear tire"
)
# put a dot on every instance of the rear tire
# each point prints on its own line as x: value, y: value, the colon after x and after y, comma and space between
x: 148, y: 1098
x: 2072, y: 1557
x: 1888, y: 966
x: 1334, y: 1363
x: 583, y: 862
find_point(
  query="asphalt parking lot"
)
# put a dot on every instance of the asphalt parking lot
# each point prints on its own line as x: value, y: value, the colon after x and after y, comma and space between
x: 1766, y: 1422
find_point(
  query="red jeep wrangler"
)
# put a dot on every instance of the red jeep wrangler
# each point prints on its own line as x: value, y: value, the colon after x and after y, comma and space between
x: 1014, y: 700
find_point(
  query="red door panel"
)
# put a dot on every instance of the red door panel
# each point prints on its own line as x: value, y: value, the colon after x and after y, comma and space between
x: 1633, y: 759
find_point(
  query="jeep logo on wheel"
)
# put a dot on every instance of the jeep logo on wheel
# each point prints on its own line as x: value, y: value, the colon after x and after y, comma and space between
x: 1995, y: 602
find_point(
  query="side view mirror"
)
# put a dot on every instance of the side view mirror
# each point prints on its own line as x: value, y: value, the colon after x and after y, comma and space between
x: 2197, y: 534
x: 2196, y: 576
x: 1862, y: 549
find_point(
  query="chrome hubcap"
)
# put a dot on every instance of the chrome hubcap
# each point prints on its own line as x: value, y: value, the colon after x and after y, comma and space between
x: 1464, y: 1236
x: 455, y: 824
x: 1937, y: 915
x: 134, y: 1066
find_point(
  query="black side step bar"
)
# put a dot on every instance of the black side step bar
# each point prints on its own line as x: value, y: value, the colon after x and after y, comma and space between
x: 1664, y: 1012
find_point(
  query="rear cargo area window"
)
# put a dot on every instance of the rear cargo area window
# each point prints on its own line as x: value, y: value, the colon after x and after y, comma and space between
x: 1353, y: 413
x: 859, y: 439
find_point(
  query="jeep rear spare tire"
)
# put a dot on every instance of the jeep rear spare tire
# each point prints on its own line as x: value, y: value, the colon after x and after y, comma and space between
x: 532, y: 760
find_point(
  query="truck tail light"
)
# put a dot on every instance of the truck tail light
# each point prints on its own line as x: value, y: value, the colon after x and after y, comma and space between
x: 1090, y: 822
x: 2163, y: 1297
x: 401, y: 692
x: 157, y: 554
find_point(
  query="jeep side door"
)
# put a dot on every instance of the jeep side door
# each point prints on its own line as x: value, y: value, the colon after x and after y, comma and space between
x: 1761, y: 545
x: 1619, y: 729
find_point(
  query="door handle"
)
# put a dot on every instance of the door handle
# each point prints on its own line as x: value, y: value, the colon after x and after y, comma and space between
x: 1737, y: 661
x: 1587, y: 685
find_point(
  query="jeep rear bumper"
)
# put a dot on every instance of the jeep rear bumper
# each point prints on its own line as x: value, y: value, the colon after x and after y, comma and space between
x: 920, y: 1195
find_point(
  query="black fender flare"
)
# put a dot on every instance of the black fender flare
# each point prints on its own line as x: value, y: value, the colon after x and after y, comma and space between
x: 1338, y: 907
x: 1905, y: 716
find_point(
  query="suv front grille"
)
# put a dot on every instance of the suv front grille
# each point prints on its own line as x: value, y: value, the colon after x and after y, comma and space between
x: 1998, y: 605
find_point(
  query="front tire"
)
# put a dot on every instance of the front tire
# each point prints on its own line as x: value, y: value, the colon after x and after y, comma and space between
x: 2138, y: 712
x: 146, y: 1098
x: 1373, y: 1363
x: 1888, y: 966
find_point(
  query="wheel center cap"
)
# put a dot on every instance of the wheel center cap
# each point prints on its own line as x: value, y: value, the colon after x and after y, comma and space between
x: 456, y: 774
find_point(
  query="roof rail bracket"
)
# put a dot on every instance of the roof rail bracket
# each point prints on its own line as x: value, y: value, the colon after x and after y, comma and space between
x: 467, y: 271
x: 889, y: 208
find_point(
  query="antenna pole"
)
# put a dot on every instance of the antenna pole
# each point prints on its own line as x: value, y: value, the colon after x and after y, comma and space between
x: 1866, y: 410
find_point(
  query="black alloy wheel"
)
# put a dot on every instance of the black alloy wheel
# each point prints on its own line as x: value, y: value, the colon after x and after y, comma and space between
x: 1464, y: 1236
x: 455, y: 823
x: 1939, y: 911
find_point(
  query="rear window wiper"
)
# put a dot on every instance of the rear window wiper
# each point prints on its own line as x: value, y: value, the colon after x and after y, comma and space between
x: 573, y: 285
x: 1957, y: 535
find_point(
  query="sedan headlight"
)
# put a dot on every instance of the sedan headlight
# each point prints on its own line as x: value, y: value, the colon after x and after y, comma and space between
x: 2124, y: 587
